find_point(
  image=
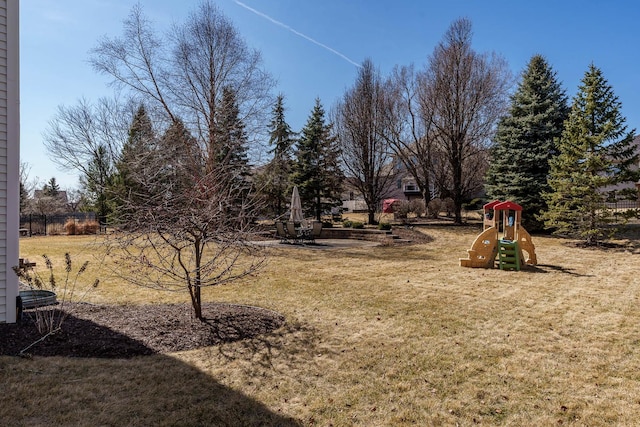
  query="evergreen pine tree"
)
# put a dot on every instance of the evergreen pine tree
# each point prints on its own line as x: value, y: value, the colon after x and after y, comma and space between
x: 525, y: 141
x: 97, y: 180
x: 595, y: 153
x: 167, y: 176
x: 316, y: 168
x: 24, y: 197
x: 132, y: 161
x: 139, y: 143
x: 231, y: 139
x: 177, y: 160
x: 51, y: 188
x: 231, y: 155
x: 275, y: 176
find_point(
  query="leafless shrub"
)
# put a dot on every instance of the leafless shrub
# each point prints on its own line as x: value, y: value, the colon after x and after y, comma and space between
x: 48, y: 321
x: 434, y: 208
x: 55, y: 229
x: 71, y: 227
x: 448, y: 206
x: 89, y: 227
x: 405, y: 208
x: 417, y: 207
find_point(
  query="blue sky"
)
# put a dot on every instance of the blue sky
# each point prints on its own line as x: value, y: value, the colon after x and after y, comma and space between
x: 310, y: 47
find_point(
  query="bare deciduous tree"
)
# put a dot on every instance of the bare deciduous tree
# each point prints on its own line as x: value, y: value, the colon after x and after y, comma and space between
x: 25, y: 178
x: 76, y: 133
x: 190, y: 224
x: 361, y: 127
x: 409, y: 128
x: 183, y: 75
x: 27, y: 185
x: 191, y: 229
x: 87, y: 138
x: 465, y: 93
x: 75, y: 199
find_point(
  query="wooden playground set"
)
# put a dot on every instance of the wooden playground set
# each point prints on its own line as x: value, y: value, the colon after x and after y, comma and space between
x: 503, y: 240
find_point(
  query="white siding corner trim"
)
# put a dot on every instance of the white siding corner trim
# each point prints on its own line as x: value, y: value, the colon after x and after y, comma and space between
x: 9, y: 156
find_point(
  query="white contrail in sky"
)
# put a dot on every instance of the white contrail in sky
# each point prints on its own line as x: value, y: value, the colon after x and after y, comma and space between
x: 297, y: 33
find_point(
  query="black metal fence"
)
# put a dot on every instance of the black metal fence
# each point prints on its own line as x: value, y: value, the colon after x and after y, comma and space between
x: 624, y: 204
x: 42, y: 225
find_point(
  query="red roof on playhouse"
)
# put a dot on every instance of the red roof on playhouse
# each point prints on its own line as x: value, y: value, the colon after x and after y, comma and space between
x: 506, y: 206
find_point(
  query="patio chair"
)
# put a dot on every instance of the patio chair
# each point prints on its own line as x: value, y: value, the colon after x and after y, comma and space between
x: 314, y: 231
x: 292, y: 233
x: 281, y: 232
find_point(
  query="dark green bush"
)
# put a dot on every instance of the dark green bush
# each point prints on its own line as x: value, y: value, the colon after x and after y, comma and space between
x: 357, y: 224
x: 347, y: 223
x: 384, y: 226
x: 473, y: 204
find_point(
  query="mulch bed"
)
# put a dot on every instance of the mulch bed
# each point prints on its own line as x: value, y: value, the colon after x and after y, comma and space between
x: 108, y: 331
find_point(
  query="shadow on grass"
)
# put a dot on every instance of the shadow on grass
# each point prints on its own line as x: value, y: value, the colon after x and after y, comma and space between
x: 546, y: 268
x: 77, y: 338
x: 292, y: 340
x: 148, y: 390
x: 156, y: 390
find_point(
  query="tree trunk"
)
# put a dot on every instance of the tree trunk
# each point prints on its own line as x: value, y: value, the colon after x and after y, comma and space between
x: 426, y: 198
x: 197, y: 303
x: 458, y: 145
x: 318, y: 208
x: 196, y: 299
x: 457, y: 207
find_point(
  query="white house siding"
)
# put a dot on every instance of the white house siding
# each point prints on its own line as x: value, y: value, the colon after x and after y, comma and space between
x: 9, y: 157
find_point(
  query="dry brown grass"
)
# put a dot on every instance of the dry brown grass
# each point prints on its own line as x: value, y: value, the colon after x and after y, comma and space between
x: 375, y: 336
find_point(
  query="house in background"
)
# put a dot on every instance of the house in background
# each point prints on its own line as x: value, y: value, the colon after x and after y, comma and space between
x: 9, y: 156
x: 61, y: 196
x: 402, y: 187
x: 43, y: 204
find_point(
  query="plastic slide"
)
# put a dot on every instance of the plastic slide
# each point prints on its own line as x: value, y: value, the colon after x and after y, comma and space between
x: 483, y: 250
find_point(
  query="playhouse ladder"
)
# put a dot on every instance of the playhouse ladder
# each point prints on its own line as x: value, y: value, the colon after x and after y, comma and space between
x: 508, y: 255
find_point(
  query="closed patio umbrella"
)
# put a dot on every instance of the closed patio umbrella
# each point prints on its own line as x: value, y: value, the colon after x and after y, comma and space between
x: 296, y: 206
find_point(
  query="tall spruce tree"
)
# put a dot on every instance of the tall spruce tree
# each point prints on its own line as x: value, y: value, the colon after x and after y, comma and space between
x: 133, y: 158
x: 232, y: 149
x: 231, y: 139
x: 275, y: 176
x: 525, y: 141
x: 595, y: 154
x: 96, y: 182
x: 178, y: 162
x: 316, y: 167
